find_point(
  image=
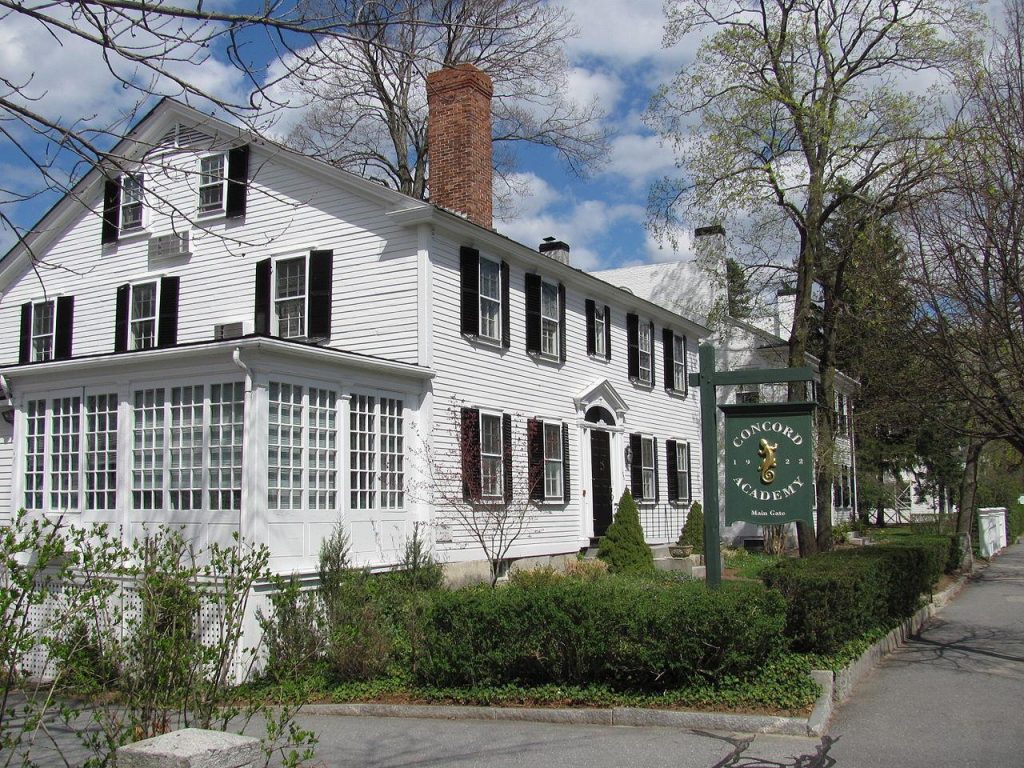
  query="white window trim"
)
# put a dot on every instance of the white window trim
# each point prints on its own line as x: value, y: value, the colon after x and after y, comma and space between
x: 553, y: 497
x: 679, y: 366
x: 275, y: 323
x: 156, y: 281
x: 481, y: 298
x: 500, y: 456
x: 648, y: 498
x: 550, y: 354
x: 683, y: 470
x: 645, y: 328
x: 52, y: 334
x: 223, y: 185
x: 599, y: 331
x: 141, y: 203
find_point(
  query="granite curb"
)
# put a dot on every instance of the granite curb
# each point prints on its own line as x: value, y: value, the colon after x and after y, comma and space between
x: 836, y: 688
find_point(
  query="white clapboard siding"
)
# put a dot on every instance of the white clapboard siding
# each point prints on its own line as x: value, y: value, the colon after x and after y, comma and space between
x: 514, y: 381
x: 6, y: 468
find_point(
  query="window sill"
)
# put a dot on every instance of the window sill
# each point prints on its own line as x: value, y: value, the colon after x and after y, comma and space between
x: 681, y: 394
x: 546, y: 358
x: 133, y: 235
x: 597, y: 358
x: 484, y: 341
x: 641, y: 383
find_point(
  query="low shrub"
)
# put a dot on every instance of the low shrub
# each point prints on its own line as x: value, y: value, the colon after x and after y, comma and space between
x: 693, y: 529
x: 837, y: 596
x: 1014, y: 521
x: 623, y: 546
x: 627, y: 633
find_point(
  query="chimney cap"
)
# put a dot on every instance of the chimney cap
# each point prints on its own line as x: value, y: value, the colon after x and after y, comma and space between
x: 551, y: 244
x: 713, y: 229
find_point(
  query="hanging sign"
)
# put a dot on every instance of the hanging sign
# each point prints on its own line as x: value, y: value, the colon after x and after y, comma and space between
x: 769, y: 463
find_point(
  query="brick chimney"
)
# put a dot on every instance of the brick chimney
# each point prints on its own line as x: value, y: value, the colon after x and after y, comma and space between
x: 459, y: 137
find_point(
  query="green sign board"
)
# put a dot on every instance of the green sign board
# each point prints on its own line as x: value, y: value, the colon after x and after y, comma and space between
x: 769, y: 463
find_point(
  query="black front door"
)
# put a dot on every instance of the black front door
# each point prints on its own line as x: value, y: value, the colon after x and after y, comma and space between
x: 601, y: 480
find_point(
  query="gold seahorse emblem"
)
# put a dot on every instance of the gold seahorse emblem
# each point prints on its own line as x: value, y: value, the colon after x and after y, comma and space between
x: 767, y: 453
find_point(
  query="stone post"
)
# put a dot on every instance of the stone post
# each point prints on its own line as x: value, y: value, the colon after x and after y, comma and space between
x: 192, y: 748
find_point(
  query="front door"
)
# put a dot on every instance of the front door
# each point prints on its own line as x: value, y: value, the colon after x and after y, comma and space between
x: 601, y: 480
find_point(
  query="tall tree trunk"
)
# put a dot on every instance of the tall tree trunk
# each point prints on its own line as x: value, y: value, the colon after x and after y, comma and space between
x: 969, y: 486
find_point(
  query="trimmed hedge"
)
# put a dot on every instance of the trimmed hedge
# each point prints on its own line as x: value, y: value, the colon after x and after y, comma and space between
x: 626, y: 633
x: 837, y: 596
x: 1015, y: 521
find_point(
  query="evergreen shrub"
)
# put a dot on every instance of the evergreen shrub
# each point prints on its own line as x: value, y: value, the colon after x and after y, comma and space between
x: 1014, y: 521
x: 693, y: 528
x: 623, y: 546
x: 627, y: 633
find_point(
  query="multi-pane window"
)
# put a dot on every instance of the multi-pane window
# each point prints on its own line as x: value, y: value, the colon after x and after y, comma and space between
x: 43, y: 317
x: 600, y: 320
x: 678, y: 363
x: 186, y: 447
x: 490, y: 455
x: 377, y: 453
x: 227, y: 409
x: 284, y: 483
x: 644, y: 345
x: 683, y: 470
x: 553, y: 461
x: 392, y: 454
x: 323, y: 450
x: 148, y: 441
x: 212, y: 182
x: 290, y: 297
x: 302, y: 448
x: 65, y: 423
x: 101, y: 451
x: 143, y: 315
x: 647, y: 466
x: 35, y: 453
x: 490, y: 299
x: 549, y: 318
x: 131, y: 201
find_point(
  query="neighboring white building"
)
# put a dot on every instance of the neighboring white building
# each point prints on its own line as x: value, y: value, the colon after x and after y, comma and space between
x: 219, y: 333
x: 697, y: 288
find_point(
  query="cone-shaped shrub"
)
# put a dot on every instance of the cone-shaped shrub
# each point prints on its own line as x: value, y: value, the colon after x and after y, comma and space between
x: 693, y: 529
x: 623, y: 546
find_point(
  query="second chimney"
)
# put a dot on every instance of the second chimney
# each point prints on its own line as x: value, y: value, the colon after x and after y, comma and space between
x: 555, y: 249
x: 459, y: 137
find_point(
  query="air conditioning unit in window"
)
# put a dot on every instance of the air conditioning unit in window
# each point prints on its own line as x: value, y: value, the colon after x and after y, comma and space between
x: 169, y: 246
x: 232, y: 330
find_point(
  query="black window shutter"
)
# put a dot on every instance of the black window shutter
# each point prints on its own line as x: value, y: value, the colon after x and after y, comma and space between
x: 561, y: 322
x: 636, y: 469
x: 591, y: 312
x: 633, y: 344
x: 506, y: 453
x: 321, y: 281
x: 654, y: 452
x: 25, y: 341
x: 470, y: 447
x: 261, y: 318
x: 65, y: 327
x: 654, y: 378
x: 121, y: 319
x: 238, y: 178
x: 469, y: 271
x: 607, y: 332
x: 672, y: 467
x: 167, y: 324
x: 669, y: 355
x: 111, y: 211
x: 535, y: 451
x: 532, y: 287
x: 565, y: 463
x: 506, y: 327
x: 689, y: 474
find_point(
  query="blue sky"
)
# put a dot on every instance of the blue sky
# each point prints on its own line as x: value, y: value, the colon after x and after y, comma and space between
x: 617, y: 58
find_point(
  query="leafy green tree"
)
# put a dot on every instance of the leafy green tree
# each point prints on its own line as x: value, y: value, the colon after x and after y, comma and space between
x: 623, y: 546
x: 793, y: 112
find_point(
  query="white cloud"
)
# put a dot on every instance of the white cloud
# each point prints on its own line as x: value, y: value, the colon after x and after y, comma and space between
x: 678, y: 246
x: 585, y: 85
x: 639, y: 158
x: 612, y: 29
x: 582, y: 225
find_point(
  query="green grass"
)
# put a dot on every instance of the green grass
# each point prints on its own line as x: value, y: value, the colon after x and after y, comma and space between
x: 748, y: 565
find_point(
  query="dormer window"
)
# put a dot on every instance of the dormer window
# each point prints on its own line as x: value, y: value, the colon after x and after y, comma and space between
x: 212, y: 183
x: 132, y: 187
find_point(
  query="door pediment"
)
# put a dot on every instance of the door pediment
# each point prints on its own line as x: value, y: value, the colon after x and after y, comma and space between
x: 602, y: 393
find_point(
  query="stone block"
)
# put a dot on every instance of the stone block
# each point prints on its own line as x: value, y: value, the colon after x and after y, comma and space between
x: 191, y: 748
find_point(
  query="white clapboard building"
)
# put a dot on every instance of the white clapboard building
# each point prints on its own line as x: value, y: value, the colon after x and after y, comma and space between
x: 215, y: 332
